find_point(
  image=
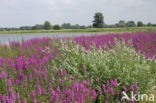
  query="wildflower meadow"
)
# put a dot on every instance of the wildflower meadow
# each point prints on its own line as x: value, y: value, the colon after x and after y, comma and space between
x: 85, y: 69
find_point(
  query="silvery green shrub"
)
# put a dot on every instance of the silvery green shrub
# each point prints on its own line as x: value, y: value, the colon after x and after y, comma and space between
x: 121, y: 62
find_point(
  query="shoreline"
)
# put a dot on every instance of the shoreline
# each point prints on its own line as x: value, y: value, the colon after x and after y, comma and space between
x: 82, y: 31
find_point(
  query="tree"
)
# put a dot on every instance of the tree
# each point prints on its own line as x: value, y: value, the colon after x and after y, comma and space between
x: 47, y: 25
x: 130, y: 24
x: 76, y: 26
x: 98, y: 20
x: 66, y: 26
x: 139, y: 24
x: 25, y: 28
x: 149, y: 24
x: 56, y: 27
x: 1, y: 29
x: 121, y: 23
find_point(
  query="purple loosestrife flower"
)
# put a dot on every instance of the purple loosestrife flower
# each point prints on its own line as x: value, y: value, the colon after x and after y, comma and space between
x: 136, y: 91
x: 9, y: 83
x: 104, y: 88
x: 24, y: 101
x: 115, y: 82
x: 131, y: 88
x: 65, y: 72
x: 44, y: 91
x: 1, y: 76
x: 111, y: 90
x: 39, y: 90
x: 112, y: 83
x: 51, y: 91
x: 106, y: 101
x: 60, y: 72
x: 125, y: 89
x: 8, y: 99
x: 33, y: 94
x: 4, y: 74
x: 55, y: 74
x: 13, y: 96
x: 132, y: 100
x: 18, y: 96
x: 30, y: 77
x: 17, y: 82
x: 94, y: 94
x: 108, y: 83
x: 3, y: 99
x: 58, y: 90
x: 10, y: 89
x: 136, y: 85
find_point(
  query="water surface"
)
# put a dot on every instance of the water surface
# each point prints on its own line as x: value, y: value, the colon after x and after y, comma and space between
x: 6, y: 38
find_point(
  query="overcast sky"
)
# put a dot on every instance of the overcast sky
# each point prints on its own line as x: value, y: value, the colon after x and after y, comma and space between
x: 15, y: 13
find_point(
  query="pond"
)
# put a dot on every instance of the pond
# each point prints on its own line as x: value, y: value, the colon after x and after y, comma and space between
x: 6, y: 38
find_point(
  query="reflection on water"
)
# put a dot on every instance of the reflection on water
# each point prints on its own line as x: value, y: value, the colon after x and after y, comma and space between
x: 6, y: 38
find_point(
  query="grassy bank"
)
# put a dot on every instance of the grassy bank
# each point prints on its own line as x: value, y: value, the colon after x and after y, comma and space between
x: 88, y: 30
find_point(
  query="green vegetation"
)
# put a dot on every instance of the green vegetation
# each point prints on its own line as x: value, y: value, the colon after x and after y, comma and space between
x: 88, y: 30
x: 56, y: 27
x: 139, y: 24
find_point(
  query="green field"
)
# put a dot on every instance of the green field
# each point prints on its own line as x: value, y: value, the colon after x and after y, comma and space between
x: 88, y: 30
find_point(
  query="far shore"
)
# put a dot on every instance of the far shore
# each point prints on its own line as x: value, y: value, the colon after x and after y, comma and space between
x: 82, y: 31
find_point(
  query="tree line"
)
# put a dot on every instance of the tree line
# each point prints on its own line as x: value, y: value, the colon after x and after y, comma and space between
x: 98, y: 22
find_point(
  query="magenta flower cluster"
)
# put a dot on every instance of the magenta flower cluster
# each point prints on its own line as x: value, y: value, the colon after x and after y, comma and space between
x: 143, y: 42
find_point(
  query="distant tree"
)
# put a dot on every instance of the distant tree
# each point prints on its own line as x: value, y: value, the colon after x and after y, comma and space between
x: 82, y: 27
x: 98, y: 20
x: 47, y: 25
x: 130, y: 24
x: 39, y: 27
x: 1, y: 29
x: 76, y: 26
x: 149, y: 24
x: 56, y: 27
x: 34, y: 28
x: 139, y: 24
x: 153, y: 24
x: 112, y: 26
x: 89, y: 26
x: 66, y: 26
x: 25, y: 28
x: 121, y: 23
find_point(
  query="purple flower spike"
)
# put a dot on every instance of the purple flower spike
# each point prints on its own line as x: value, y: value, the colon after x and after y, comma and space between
x: 104, y: 88
x: 39, y: 90
x: 94, y: 94
x: 136, y: 85
x: 108, y: 83
x: 125, y: 89
x: 24, y: 101
x: 115, y: 82
x: 131, y: 88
